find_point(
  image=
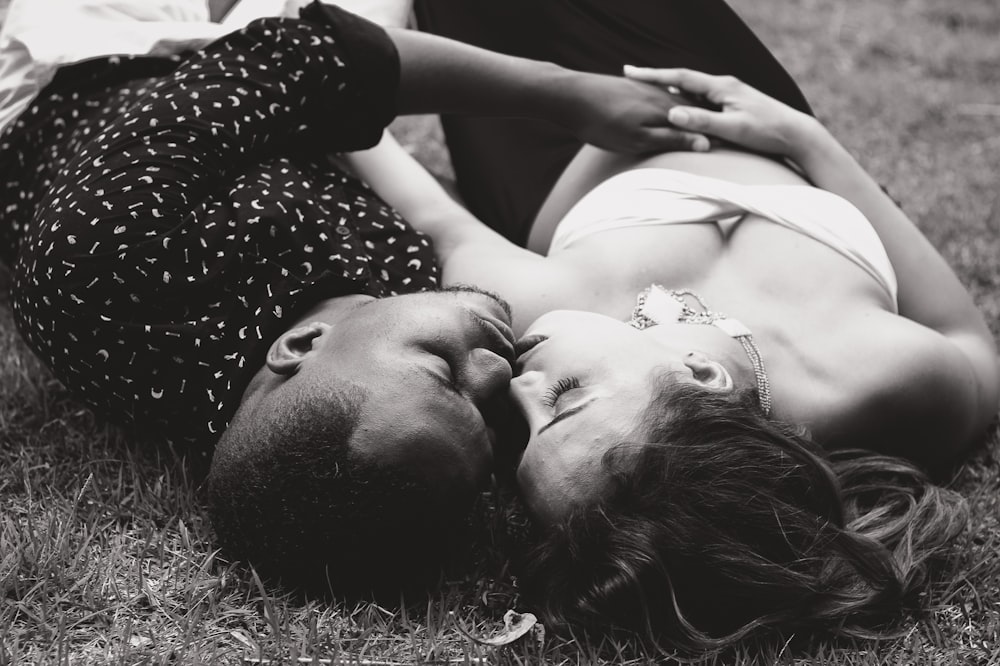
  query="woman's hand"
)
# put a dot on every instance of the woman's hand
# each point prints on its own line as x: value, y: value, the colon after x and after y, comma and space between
x: 745, y: 116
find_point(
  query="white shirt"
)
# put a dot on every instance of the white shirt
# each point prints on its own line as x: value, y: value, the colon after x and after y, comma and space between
x: 38, y: 36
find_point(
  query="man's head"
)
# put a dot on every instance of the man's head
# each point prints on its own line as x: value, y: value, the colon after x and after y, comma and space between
x: 363, y: 440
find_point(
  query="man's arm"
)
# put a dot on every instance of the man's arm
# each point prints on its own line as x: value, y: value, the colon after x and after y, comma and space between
x: 439, y: 75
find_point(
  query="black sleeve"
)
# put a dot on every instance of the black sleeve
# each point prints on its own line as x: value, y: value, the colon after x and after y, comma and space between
x: 373, y: 79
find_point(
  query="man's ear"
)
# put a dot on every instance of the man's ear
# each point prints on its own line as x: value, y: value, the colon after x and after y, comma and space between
x: 708, y: 372
x: 294, y: 345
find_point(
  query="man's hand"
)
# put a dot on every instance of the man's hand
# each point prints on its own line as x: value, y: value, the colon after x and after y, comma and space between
x: 439, y: 75
x: 626, y: 116
x: 746, y: 116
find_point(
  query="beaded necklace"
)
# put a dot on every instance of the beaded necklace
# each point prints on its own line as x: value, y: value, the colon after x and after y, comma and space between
x: 654, y: 305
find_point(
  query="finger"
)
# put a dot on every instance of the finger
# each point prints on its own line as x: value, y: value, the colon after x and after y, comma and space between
x: 695, y: 119
x: 667, y: 138
x: 688, y: 80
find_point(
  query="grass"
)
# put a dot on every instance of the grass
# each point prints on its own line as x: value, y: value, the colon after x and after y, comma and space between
x: 106, y: 556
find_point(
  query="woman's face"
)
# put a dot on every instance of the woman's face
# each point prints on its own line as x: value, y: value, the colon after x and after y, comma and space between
x: 584, y: 381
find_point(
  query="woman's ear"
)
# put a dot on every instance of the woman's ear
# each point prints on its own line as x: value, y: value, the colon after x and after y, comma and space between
x: 709, y: 372
x: 288, y: 351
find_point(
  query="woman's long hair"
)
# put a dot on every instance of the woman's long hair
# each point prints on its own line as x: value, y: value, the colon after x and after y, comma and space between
x: 722, y: 523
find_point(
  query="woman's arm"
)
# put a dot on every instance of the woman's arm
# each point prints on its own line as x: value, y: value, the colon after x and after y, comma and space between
x: 469, y: 252
x: 419, y: 198
x: 929, y: 291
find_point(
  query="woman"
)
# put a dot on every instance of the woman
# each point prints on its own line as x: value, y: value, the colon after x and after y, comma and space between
x: 673, y: 497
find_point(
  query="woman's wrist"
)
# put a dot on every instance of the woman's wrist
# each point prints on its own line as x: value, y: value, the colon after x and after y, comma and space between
x: 810, y: 143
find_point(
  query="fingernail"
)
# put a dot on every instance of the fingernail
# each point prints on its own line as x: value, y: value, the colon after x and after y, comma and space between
x: 678, y: 116
x: 700, y: 144
x: 629, y: 68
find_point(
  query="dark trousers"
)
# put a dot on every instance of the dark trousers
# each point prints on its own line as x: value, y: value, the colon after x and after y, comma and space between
x: 506, y: 167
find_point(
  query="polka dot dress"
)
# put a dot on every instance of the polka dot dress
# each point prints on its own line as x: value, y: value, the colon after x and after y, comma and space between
x: 167, y: 219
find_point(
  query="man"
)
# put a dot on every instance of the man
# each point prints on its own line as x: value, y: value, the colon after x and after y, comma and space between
x: 186, y: 260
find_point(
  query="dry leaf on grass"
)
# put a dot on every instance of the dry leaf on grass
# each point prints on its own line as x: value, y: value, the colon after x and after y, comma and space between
x: 515, y: 625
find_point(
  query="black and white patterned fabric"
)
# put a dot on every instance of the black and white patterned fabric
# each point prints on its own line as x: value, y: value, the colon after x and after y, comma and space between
x: 166, y: 219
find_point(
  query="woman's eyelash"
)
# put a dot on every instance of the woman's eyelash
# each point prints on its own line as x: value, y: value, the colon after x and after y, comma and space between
x: 557, y: 389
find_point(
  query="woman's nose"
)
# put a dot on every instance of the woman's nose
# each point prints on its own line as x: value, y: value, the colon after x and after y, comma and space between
x: 524, y: 390
x: 486, y: 374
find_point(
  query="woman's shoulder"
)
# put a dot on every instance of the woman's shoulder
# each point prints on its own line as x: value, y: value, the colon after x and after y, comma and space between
x: 890, y: 384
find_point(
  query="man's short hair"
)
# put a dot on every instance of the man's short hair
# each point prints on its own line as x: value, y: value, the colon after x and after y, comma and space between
x: 287, y: 494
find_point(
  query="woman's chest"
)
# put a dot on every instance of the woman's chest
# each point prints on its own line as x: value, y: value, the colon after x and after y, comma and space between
x: 751, y: 264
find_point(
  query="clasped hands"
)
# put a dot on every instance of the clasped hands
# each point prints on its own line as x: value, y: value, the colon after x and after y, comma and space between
x: 658, y: 110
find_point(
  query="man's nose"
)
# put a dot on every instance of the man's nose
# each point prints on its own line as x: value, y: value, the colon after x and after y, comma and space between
x: 485, y: 375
